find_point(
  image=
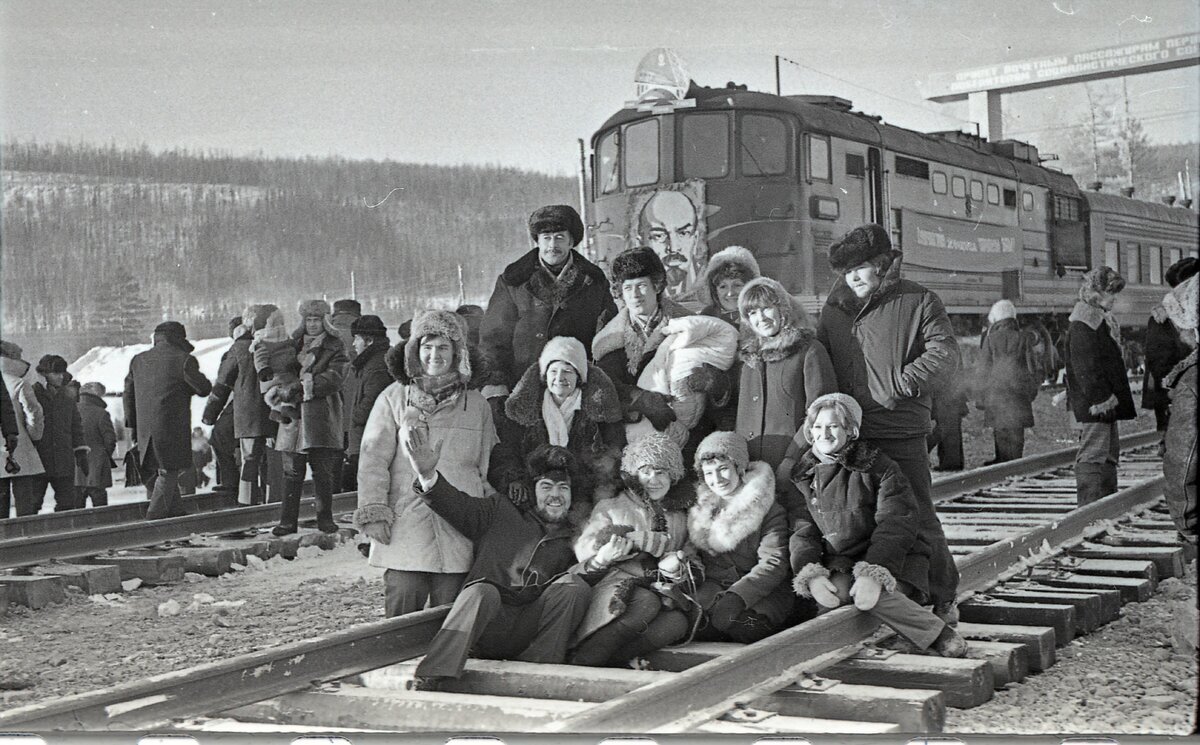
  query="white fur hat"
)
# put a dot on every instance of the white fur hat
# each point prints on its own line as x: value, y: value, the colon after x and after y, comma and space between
x: 564, y: 349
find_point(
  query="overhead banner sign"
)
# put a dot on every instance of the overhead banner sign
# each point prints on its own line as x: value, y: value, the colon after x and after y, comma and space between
x: 956, y: 245
x: 1146, y: 56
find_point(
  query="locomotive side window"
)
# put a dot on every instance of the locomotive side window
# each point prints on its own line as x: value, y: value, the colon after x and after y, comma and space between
x: 856, y: 165
x: 1066, y: 208
x: 705, y: 145
x: 763, y: 145
x: 1173, y: 255
x: 1133, y: 263
x: 912, y: 168
x: 1027, y: 201
x: 1112, y: 255
x: 993, y: 194
x: 1010, y: 198
x: 976, y: 190
x: 641, y: 153
x: 608, y: 178
x: 958, y: 186
x: 939, y: 182
x: 1156, y: 274
x: 818, y: 157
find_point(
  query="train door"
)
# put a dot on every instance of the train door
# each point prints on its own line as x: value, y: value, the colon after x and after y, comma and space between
x: 856, y: 189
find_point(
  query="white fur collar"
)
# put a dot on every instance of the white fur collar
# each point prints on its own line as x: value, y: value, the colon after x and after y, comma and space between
x: 718, y: 528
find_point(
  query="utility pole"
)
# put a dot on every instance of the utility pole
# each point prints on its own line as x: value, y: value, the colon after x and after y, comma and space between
x: 462, y: 288
x: 352, y: 295
x: 777, y: 88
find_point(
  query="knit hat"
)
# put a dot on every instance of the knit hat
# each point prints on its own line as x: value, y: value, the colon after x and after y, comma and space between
x: 551, y: 462
x: 255, y: 316
x: 10, y: 350
x: 555, y: 217
x: 51, y: 363
x: 1181, y: 304
x: 1181, y: 270
x: 846, y: 404
x: 720, y: 444
x: 94, y: 388
x: 635, y: 263
x: 368, y: 326
x: 309, y: 308
x: 442, y: 323
x: 861, y: 244
x: 347, y: 306
x: 1103, y: 279
x: 565, y: 349
x: 732, y: 262
x: 655, y: 449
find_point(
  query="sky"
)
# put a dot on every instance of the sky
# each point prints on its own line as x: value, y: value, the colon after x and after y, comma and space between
x: 517, y: 82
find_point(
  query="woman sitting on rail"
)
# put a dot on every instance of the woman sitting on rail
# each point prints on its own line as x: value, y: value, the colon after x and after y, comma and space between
x: 644, y: 527
x: 856, y: 532
x: 425, y: 557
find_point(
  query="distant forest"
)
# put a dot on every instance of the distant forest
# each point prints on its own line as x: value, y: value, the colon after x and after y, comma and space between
x: 109, y: 241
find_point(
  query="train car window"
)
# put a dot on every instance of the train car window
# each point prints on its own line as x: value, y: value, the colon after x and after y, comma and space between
x: 764, y: 145
x: 856, y: 165
x: 911, y: 168
x: 1027, y: 201
x: 897, y: 229
x: 1066, y: 208
x: 1156, y: 268
x: 1010, y: 198
x: 818, y: 158
x: 1112, y: 255
x: 608, y: 176
x: 958, y: 186
x: 993, y: 194
x: 1133, y: 263
x: 939, y: 182
x: 641, y: 153
x: 1173, y: 256
x: 976, y: 190
x: 704, y: 144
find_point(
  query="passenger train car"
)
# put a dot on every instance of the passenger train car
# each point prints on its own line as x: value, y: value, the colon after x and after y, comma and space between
x: 786, y: 175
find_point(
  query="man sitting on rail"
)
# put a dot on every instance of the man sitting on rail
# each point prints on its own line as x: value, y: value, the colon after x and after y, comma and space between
x: 519, y: 600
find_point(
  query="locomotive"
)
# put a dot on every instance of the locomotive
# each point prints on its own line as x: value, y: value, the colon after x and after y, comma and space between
x: 691, y: 170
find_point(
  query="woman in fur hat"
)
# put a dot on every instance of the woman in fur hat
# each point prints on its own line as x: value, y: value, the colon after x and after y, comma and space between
x: 740, y: 535
x: 727, y: 273
x: 783, y: 368
x: 425, y: 557
x: 561, y: 400
x: 1097, y: 384
x: 856, y: 535
x: 316, y: 437
x: 644, y: 527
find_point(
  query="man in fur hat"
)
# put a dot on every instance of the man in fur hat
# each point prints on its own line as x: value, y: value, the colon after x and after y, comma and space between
x: 367, y: 378
x: 160, y: 382
x: 550, y: 291
x: 61, y: 448
x: 519, y: 600
x: 345, y: 312
x: 903, y: 348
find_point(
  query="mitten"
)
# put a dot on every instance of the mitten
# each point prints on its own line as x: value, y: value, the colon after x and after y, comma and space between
x: 709, y: 380
x: 824, y: 592
x: 518, y: 493
x: 654, y: 406
x: 728, y: 607
x: 865, y: 592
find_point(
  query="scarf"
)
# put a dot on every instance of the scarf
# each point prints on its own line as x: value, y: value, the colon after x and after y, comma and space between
x: 427, y: 392
x: 307, y: 356
x: 658, y: 516
x: 638, y: 338
x: 558, y: 417
x: 826, y: 459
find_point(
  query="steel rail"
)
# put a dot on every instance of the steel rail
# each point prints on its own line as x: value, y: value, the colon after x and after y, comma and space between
x: 245, y: 679
x: 38, y: 549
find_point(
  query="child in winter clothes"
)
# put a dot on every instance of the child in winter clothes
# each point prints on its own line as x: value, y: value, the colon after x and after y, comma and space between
x: 275, y: 360
x: 855, y: 530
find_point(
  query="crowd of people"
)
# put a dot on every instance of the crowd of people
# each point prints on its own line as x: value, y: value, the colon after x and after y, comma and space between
x: 587, y: 470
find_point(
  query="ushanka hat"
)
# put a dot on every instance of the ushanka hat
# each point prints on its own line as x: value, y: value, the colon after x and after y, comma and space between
x: 551, y: 462
x: 635, y: 263
x: 554, y: 218
x: 859, y: 245
x: 368, y: 326
x: 51, y: 363
x: 727, y: 445
x: 564, y: 349
x: 309, y: 308
x: 444, y: 323
x: 347, y: 305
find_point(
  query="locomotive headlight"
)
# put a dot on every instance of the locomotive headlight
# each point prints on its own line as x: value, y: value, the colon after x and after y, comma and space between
x: 824, y: 208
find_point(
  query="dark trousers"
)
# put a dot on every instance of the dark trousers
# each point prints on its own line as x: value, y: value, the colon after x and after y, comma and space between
x: 912, y: 457
x: 162, y: 487
x: 64, y: 492
x: 947, y: 438
x: 250, y: 481
x: 350, y: 473
x: 24, y: 493
x: 98, y: 495
x: 406, y: 592
x: 1010, y: 443
x: 481, y: 623
x: 224, y: 446
x: 1096, y: 461
x: 324, y: 463
x: 747, y: 627
x: 643, y: 627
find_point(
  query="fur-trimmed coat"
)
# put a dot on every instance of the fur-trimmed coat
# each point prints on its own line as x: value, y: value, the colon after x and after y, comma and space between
x: 320, y: 424
x: 1096, y: 367
x: 529, y: 307
x: 1179, y: 460
x: 857, y: 515
x: 777, y: 379
x: 1164, y: 350
x: 890, y: 353
x: 596, y: 436
x: 742, y: 542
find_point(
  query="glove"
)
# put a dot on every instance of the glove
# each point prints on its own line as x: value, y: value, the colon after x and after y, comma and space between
x: 654, y: 406
x: 728, y: 607
x: 865, y: 592
x: 824, y: 592
x: 709, y: 380
x: 1106, y: 408
x: 81, y: 461
x: 379, y: 531
x: 518, y: 493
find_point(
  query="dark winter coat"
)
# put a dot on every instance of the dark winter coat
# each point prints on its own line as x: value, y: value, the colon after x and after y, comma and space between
x: 236, y: 376
x: 1095, y: 367
x: 101, y: 439
x: 529, y: 307
x: 368, y: 377
x: 889, y: 353
x: 320, y: 424
x: 62, y: 431
x: 742, y: 542
x: 515, y: 550
x: 8, y: 417
x: 596, y: 436
x: 778, y: 378
x: 1164, y: 350
x: 857, y: 515
x: 1004, y: 377
x: 1179, y: 460
x: 341, y: 322
x: 160, y: 383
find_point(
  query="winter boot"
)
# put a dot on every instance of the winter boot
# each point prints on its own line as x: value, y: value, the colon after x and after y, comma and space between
x: 289, y: 513
x: 949, y: 643
x: 1089, y: 483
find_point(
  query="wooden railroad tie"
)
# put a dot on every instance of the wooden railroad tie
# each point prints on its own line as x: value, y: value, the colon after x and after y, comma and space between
x: 34, y: 591
x: 152, y: 568
x: 1168, y: 560
x: 1037, y: 641
x: 1058, y: 616
x: 93, y: 579
x: 1133, y: 589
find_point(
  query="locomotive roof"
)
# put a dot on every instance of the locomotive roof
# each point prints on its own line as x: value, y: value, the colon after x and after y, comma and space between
x: 1112, y: 203
x: 863, y: 128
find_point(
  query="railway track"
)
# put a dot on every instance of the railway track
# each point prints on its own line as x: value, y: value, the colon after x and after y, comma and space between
x: 1035, y: 571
